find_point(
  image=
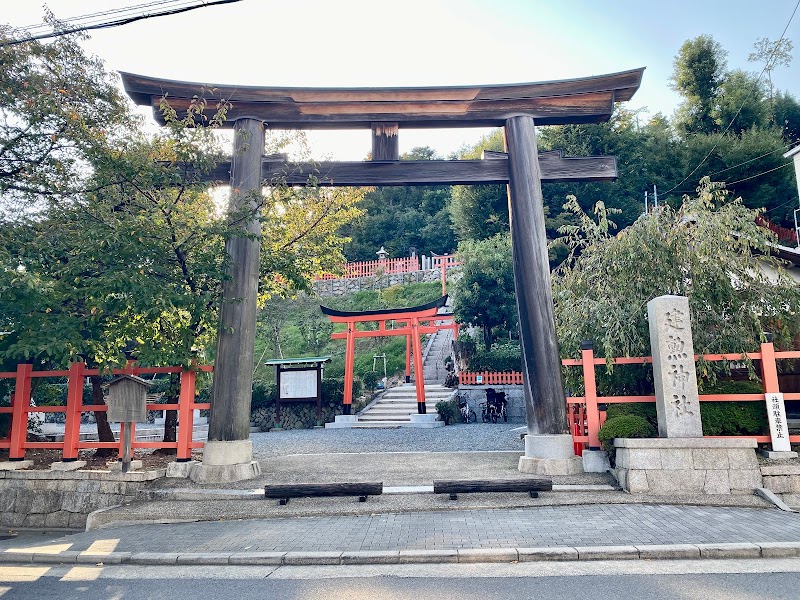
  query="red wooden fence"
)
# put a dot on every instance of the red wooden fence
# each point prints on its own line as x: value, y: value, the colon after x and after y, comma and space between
x: 586, y: 418
x: 71, y: 444
x: 369, y: 268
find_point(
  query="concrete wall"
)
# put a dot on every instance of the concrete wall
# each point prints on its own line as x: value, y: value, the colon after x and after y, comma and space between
x: 56, y: 499
x: 514, y: 397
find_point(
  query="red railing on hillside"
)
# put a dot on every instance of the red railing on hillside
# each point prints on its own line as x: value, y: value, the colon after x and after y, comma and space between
x: 20, y: 407
x: 785, y: 235
x: 489, y: 378
x: 584, y: 412
x: 370, y: 268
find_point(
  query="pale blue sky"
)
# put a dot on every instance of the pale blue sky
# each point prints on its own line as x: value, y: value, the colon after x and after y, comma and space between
x: 428, y: 42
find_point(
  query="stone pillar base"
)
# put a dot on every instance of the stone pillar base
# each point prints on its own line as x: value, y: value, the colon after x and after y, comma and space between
x: 181, y: 469
x: 226, y: 461
x: 550, y: 455
x: 203, y: 473
x: 778, y: 454
x: 425, y: 421
x: 595, y: 461
x: 116, y: 467
x: 68, y: 466
x: 671, y: 466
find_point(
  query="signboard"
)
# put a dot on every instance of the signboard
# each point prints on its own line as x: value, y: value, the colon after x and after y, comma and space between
x: 479, y: 379
x: 298, y: 384
x: 776, y: 413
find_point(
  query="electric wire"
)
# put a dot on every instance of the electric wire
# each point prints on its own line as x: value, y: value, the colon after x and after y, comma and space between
x: 117, y: 23
x: 31, y: 29
x: 760, y: 75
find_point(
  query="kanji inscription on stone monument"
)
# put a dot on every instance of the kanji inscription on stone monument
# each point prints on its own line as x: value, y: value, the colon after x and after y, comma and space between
x: 677, y: 403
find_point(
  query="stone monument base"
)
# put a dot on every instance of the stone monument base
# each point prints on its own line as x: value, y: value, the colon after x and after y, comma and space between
x: 224, y: 462
x: 668, y: 466
x: 595, y: 461
x: 549, y: 455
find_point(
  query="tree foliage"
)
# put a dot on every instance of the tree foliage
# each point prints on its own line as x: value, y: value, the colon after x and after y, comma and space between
x: 484, y: 294
x: 708, y: 249
x: 699, y: 70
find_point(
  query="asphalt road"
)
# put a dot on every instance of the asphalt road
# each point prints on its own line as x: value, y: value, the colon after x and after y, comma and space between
x: 643, y: 580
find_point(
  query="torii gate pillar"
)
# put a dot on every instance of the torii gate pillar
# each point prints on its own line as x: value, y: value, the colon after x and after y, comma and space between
x: 228, y: 453
x: 548, y: 445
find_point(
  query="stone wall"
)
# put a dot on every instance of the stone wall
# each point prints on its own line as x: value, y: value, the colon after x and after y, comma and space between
x: 667, y: 466
x: 56, y: 499
x: 340, y: 287
x: 784, y: 480
x: 514, y: 396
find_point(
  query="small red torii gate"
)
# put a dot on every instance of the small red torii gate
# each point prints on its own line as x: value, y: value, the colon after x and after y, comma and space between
x: 415, y: 321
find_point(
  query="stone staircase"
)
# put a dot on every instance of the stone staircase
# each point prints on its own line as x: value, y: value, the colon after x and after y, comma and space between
x: 394, y: 407
x: 433, y: 363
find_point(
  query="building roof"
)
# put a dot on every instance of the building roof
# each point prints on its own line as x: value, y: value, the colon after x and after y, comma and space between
x: 298, y: 361
x: 792, y: 152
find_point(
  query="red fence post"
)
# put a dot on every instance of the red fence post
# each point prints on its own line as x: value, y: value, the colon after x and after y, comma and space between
x: 19, y: 416
x: 185, y: 415
x: 769, y: 369
x: 72, y: 416
x: 590, y: 394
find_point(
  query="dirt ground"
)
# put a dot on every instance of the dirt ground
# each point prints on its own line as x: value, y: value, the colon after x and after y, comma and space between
x: 43, y: 458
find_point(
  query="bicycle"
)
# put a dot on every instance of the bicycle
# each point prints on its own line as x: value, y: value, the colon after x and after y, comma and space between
x: 467, y: 414
x: 495, y: 407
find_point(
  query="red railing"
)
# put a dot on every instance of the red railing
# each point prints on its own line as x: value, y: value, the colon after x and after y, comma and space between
x: 369, y: 268
x: 784, y: 234
x: 586, y: 418
x: 20, y: 407
x: 489, y: 378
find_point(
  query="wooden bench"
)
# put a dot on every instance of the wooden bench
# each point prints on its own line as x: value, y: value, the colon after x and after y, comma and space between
x: 284, y: 492
x: 467, y: 486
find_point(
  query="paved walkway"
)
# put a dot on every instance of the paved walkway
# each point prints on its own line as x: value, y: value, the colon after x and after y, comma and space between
x: 541, y: 527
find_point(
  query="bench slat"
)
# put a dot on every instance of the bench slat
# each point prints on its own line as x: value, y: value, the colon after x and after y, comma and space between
x: 309, y: 490
x: 466, y: 486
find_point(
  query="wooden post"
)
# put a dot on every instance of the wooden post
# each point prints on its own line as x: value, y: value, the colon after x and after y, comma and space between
x: 540, y: 359
x: 769, y: 369
x: 408, y: 359
x: 186, y: 415
x: 72, y: 417
x: 233, y: 372
x: 19, y: 415
x: 385, y: 145
x: 419, y: 376
x: 590, y: 394
x: 349, y: 361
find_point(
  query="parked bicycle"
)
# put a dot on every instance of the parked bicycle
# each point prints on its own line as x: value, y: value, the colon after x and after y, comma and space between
x: 467, y: 414
x: 495, y: 407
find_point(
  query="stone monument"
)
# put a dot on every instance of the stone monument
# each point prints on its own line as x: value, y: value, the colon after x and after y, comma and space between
x: 681, y: 461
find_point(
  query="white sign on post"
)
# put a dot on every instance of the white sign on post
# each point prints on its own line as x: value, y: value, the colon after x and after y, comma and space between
x: 298, y: 384
x: 776, y: 413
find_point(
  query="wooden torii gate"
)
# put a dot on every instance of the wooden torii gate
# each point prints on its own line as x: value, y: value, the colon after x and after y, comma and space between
x: 415, y: 321
x: 516, y: 107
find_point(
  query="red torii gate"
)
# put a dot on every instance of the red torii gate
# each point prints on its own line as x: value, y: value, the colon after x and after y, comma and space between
x: 416, y: 320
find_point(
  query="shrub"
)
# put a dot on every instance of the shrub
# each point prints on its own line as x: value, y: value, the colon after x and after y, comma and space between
x: 734, y: 418
x: 502, y: 357
x: 624, y: 426
x: 370, y: 379
x: 646, y: 410
x: 448, y: 410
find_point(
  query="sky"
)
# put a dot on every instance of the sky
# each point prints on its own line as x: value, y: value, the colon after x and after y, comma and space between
x: 308, y: 43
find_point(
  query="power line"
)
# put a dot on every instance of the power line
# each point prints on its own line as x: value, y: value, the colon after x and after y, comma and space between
x: 87, y: 17
x: 760, y: 75
x: 759, y: 174
x: 117, y: 23
x: 781, y: 149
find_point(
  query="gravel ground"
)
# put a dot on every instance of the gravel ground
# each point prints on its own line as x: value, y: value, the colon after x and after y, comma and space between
x: 453, y: 438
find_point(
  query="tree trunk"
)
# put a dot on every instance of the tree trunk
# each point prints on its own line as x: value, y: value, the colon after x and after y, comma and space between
x: 104, y: 433
x: 171, y: 416
x: 487, y: 337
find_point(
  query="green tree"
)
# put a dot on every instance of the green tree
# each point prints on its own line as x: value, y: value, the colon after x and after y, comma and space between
x: 740, y: 103
x: 698, y: 72
x: 773, y: 55
x: 708, y: 249
x: 59, y: 111
x: 484, y: 294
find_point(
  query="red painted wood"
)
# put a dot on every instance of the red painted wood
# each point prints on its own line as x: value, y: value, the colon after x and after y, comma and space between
x: 185, y: 416
x: 21, y: 401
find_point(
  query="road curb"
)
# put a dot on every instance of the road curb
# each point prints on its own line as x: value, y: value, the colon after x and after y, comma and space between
x: 384, y: 557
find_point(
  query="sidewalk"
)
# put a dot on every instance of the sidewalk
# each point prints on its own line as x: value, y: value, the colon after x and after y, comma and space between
x: 584, y: 532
